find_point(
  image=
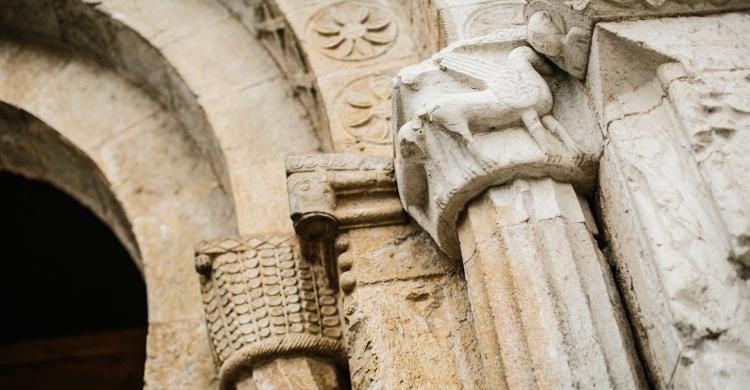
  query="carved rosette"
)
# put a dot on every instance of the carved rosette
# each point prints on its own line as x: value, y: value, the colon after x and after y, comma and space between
x: 353, y: 31
x: 262, y: 299
x: 364, y: 109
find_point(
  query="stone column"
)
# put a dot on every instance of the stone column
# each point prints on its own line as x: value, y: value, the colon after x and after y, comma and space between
x: 272, y: 316
x: 543, y: 297
x: 406, y: 317
x: 498, y: 175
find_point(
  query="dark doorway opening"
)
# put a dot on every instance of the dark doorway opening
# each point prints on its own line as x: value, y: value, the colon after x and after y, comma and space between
x: 74, y: 310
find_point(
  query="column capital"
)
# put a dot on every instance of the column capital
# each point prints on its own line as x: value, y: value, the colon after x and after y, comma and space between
x: 482, y: 113
x: 264, y: 300
x: 562, y: 30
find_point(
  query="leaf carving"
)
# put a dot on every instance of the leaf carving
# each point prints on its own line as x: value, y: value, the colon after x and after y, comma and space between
x: 358, y: 99
x: 327, y: 27
x: 357, y: 118
x: 332, y: 42
x: 377, y: 38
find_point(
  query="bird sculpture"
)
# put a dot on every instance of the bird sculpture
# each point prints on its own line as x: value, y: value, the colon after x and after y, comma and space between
x: 506, y: 96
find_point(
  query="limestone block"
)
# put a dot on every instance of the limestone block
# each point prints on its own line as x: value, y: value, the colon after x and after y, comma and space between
x: 341, y: 190
x: 562, y: 30
x: 546, y: 311
x: 178, y: 356
x: 673, y: 195
x: 406, y: 312
x: 294, y: 373
x: 478, y: 114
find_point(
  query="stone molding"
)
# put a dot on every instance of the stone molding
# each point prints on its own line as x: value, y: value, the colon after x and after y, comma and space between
x: 341, y: 191
x: 262, y: 300
x: 338, y: 57
x: 479, y: 114
x: 562, y: 30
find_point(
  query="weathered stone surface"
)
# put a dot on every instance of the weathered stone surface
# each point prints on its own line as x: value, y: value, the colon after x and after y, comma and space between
x: 479, y: 114
x: 293, y: 373
x: 672, y: 193
x: 562, y: 30
x: 406, y: 312
x: 346, y: 209
x: 178, y: 346
x: 545, y: 307
x: 172, y: 121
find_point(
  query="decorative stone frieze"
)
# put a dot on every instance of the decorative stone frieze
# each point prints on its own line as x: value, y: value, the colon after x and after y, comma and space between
x: 263, y: 300
x: 279, y: 39
x: 495, y: 154
x: 459, y: 20
x: 562, y: 30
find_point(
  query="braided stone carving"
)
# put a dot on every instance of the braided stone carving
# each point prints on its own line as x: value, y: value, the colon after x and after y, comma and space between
x: 262, y: 300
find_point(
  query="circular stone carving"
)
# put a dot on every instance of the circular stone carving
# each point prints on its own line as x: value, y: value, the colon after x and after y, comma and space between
x: 352, y: 31
x: 364, y: 109
x: 486, y: 20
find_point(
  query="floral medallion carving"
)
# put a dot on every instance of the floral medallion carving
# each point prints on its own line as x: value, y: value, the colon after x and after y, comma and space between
x: 353, y: 31
x: 489, y: 19
x: 364, y: 109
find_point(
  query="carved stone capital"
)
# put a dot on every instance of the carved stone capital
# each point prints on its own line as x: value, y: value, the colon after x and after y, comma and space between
x: 482, y: 113
x: 332, y: 191
x: 263, y: 300
x: 561, y: 30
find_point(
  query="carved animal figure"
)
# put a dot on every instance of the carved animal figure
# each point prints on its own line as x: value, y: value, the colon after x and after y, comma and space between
x: 508, y: 96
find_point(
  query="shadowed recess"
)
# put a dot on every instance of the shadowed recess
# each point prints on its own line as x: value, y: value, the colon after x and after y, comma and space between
x: 75, y: 303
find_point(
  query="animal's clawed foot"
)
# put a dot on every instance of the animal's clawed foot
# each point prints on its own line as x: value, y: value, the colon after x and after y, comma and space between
x: 552, y: 158
x: 577, y: 154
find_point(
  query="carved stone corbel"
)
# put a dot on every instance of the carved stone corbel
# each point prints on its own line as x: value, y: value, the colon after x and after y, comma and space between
x: 329, y: 193
x: 269, y: 310
x: 495, y: 156
x: 561, y: 30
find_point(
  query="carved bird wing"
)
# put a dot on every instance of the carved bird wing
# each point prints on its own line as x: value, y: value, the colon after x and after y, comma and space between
x: 476, y: 71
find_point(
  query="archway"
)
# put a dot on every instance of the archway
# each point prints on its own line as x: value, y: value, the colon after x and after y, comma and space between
x: 75, y: 302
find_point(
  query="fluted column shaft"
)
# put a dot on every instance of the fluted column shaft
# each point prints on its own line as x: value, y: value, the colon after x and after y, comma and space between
x: 546, y: 313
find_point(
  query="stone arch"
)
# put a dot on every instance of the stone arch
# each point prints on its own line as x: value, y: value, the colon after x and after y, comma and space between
x: 82, y: 127
x: 31, y: 148
x: 207, y: 70
x: 177, y: 118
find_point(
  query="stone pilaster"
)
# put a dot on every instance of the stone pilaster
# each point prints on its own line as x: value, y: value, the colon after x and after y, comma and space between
x: 495, y: 155
x: 405, y: 309
x: 271, y: 314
